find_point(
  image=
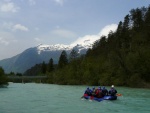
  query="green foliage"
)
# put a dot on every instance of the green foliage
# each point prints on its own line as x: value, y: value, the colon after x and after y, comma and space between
x: 3, y: 78
x: 62, y: 60
x: 135, y: 81
x: 35, y: 70
x: 73, y: 55
x: 43, y: 67
x: 50, y: 65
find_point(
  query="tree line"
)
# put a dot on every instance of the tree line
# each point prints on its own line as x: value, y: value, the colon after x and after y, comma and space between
x: 121, y: 58
x: 43, y: 68
x: 3, y: 78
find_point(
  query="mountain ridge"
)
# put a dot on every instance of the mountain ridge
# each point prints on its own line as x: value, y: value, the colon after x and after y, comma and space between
x: 40, y: 53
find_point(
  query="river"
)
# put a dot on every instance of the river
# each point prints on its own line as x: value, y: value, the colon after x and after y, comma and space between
x: 48, y: 98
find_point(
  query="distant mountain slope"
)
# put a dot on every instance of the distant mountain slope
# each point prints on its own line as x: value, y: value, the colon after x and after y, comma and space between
x: 35, y: 55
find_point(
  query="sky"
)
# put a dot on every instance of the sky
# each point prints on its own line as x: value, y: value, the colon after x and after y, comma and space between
x: 28, y: 23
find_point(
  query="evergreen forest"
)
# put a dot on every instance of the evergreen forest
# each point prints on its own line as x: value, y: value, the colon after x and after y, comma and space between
x: 122, y: 58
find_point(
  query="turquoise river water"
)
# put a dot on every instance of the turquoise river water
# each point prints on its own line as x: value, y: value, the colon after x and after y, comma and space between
x: 48, y: 98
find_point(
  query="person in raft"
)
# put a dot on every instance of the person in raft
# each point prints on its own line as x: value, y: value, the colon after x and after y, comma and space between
x: 104, y: 91
x: 88, y: 92
x: 98, y: 92
x: 93, y: 91
x: 112, y: 91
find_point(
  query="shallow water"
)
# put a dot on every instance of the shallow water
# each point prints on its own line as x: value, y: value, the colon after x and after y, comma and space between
x: 48, y: 98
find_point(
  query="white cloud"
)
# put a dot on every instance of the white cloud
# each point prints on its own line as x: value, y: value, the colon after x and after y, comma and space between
x: 11, y: 26
x: 80, y: 40
x: 9, y: 7
x: 61, y: 2
x: 20, y: 27
x: 7, y: 42
x: 6, y: 38
x: 3, y: 41
x: 93, y: 38
x: 107, y: 29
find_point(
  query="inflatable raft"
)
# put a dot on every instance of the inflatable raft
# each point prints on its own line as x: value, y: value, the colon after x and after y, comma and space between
x: 100, y: 99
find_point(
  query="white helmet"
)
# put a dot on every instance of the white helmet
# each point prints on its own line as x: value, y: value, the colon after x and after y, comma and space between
x: 112, y: 86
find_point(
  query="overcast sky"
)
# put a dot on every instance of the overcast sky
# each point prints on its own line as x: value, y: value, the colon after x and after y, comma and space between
x: 27, y: 23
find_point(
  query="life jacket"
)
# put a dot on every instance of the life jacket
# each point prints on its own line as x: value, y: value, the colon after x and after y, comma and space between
x: 85, y: 95
x: 98, y: 93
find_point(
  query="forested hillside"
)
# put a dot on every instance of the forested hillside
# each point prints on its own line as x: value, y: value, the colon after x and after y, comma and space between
x: 122, y: 58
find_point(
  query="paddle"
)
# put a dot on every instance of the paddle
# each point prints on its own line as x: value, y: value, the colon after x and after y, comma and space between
x: 118, y: 94
x: 82, y: 97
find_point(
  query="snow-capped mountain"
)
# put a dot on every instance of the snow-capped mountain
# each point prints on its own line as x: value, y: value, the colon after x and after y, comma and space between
x: 40, y: 53
x: 57, y: 47
x: 84, y: 45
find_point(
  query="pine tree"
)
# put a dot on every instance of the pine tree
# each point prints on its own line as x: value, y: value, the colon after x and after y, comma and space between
x: 125, y: 32
x: 50, y: 65
x: 119, y: 28
x: 43, y: 67
x: 126, y: 23
x: 62, y: 60
x: 73, y: 55
x: 137, y: 18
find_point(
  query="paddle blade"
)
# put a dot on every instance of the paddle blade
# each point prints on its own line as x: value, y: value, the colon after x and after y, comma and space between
x: 118, y: 94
